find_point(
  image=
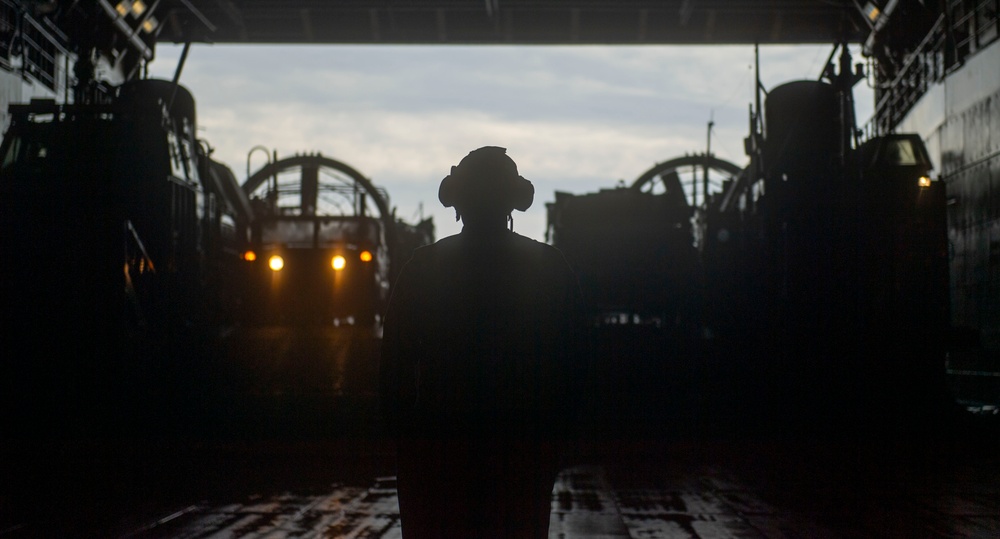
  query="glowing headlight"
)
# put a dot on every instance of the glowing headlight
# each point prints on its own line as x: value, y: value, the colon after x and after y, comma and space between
x: 249, y: 256
x: 366, y: 256
x: 338, y: 262
x: 276, y: 263
x: 924, y: 181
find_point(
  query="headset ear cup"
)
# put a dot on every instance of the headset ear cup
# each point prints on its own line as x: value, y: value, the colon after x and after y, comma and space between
x: 447, y: 191
x: 523, y: 194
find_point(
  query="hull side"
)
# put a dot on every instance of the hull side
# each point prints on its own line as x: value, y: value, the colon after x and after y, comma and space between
x: 959, y: 119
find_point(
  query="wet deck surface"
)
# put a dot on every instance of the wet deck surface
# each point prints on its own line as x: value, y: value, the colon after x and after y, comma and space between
x: 701, y: 452
x: 742, y: 489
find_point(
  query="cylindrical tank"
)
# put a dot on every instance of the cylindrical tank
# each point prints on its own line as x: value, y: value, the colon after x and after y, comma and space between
x: 149, y: 90
x: 802, y: 128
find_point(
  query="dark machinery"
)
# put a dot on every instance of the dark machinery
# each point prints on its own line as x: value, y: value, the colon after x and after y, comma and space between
x: 633, y: 248
x: 320, y: 254
x: 635, y: 253
x: 817, y: 233
x: 834, y: 250
x: 121, y: 235
x: 810, y: 289
x: 324, y: 248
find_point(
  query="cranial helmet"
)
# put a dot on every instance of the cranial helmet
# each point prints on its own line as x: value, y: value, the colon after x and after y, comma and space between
x: 487, y: 177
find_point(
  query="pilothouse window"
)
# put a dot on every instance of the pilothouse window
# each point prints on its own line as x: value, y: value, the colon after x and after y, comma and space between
x: 11, y: 156
x: 291, y: 233
x: 348, y: 230
x: 29, y: 152
x: 902, y: 153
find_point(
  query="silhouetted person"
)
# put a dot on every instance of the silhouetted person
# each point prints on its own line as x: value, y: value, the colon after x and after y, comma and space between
x: 479, y: 368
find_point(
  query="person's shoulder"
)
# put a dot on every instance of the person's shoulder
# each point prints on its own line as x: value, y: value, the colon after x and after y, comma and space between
x: 427, y: 254
x: 530, y: 243
x: 447, y: 242
x: 544, y: 251
x: 542, y: 246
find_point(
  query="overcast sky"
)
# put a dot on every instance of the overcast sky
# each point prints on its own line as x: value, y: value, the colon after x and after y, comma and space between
x: 574, y: 118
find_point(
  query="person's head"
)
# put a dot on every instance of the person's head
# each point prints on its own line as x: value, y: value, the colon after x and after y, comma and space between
x: 485, y: 186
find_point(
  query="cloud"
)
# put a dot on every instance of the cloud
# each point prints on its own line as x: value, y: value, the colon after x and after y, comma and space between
x: 574, y: 118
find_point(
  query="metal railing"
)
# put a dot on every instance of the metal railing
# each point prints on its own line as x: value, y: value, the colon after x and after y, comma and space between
x: 965, y: 27
x: 37, y: 45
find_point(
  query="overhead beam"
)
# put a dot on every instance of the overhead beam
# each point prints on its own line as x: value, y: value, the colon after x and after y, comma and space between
x: 373, y: 19
x: 509, y: 21
x: 777, y: 18
x: 307, y: 29
x: 643, y: 21
x: 709, y: 25
x: 574, y: 25
x: 442, y: 25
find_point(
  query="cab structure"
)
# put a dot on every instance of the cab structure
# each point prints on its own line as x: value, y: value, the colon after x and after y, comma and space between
x: 319, y: 253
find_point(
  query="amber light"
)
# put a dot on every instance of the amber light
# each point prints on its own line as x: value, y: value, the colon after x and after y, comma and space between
x: 276, y: 263
x: 366, y: 256
x: 338, y: 262
x: 249, y: 256
x: 924, y: 181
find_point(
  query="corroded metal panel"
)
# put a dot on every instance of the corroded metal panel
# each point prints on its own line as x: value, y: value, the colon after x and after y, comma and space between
x: 926, y: 117
x: 952, y: 146
x: 976, y: 126
x: 965, y: 145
